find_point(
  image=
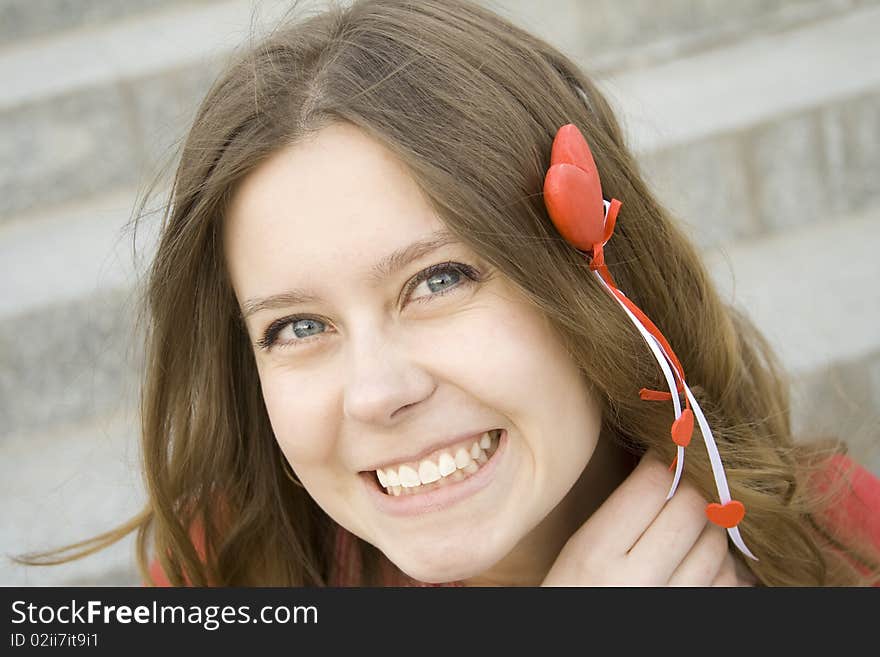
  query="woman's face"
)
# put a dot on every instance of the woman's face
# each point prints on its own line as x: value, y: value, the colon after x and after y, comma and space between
x: 365, y: 362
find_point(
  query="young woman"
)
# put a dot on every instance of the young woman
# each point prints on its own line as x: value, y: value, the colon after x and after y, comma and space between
x: 376, y: 357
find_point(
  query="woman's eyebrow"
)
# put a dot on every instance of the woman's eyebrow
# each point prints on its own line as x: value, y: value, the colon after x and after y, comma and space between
x: 386, y: 267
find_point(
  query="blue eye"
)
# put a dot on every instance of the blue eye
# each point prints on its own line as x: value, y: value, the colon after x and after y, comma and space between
x: 444, y: 277
x: 436, y: 276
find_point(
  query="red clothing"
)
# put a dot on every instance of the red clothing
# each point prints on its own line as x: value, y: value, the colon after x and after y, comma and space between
x: 856, y: 515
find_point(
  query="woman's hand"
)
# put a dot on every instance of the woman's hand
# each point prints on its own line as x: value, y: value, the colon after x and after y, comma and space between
x: 636, y: 538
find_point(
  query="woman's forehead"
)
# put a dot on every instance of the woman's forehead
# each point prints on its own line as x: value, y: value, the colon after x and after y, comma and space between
x: 338, y: 186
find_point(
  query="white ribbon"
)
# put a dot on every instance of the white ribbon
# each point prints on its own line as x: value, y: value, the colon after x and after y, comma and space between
x: 662, y: 357
x: 665, y: 362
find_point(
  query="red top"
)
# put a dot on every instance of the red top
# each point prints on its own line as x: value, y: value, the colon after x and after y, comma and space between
x: 857, y: 514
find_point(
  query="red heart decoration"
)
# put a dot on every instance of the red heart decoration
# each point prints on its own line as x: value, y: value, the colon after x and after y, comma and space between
x: 572, y: 203
x: 683, y: 428
x: 726, y: 515
x: 572, y: 191
x: 570, y: 147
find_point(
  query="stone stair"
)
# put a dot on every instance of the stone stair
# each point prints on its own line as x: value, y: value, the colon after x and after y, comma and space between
x: 757, y: 122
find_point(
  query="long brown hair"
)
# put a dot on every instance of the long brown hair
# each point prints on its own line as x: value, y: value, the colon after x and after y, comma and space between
x: 470, y: 104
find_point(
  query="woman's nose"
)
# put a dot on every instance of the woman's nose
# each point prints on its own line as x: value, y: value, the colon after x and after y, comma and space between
x: 382, y: 379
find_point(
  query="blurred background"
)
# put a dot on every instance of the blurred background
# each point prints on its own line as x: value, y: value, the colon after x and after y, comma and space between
x: 756, y: 121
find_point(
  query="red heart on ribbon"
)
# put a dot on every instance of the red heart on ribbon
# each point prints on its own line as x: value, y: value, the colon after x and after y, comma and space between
x: 726, y: 515
x: 683, y: 428
x: 572, y: 191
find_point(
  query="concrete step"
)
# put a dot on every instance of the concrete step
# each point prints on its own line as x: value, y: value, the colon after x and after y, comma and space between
x: 610, y: 35
x: 66, y: 484
x: 139, y: 47
x: 747, y: 83
x: 813, y: 293
x: 812, y: 290
x: 50, y: 258
x: 69, y: 362
x: 794, y: 169
x: 770, y: 132
x: 843, y: 401
x: 32, y: 19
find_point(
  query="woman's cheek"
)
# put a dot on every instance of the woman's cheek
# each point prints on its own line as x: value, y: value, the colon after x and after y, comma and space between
x: 295, y: 415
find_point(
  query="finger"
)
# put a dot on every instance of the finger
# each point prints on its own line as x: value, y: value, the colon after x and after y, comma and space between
x: 744, y: 576
x: 619, y: 522
x: 726, y: 575
x: 673, y: 533
x: 703, y: 563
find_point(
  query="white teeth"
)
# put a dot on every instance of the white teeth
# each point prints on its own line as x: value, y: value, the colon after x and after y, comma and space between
x: 428, y: 472
x: 403, y: 480
x: 409, y: 478
x: 447, y: 465
x: 462, y: 458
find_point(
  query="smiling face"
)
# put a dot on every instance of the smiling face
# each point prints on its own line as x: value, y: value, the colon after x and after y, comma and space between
x: 361, y: 366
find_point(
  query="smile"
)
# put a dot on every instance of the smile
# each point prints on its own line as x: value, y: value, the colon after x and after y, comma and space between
x: 444, y: 492
x: 448, y: 465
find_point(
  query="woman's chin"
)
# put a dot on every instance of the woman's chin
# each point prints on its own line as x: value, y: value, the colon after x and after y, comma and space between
x: 441, y: 566
x: 440, y: 575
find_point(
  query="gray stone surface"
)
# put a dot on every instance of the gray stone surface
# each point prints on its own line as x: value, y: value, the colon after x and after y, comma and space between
x: 73, y: 146
x: 851, y: 139
x: 130, y: 49
x: 68, y: 362
x: 789, y: 172
x: 754, y: 81
x: 163, y: 106
x: 704, y: 184
x: 796, y: 169
x: 614, y: 34
x: 22, y: 19
x: 873, y: 403
x: 66, y: 254
x: 842, y: 401
x: 811, y: 290
x: 67, y: 484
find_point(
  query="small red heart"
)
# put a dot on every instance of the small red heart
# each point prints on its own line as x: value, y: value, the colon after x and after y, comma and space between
x: 683, y: 428
x: 726, y: 515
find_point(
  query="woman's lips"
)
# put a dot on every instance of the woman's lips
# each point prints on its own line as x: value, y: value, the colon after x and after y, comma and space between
x: 439, y: 498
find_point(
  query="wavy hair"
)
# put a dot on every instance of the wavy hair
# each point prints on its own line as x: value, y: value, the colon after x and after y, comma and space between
x: 470, y: 104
